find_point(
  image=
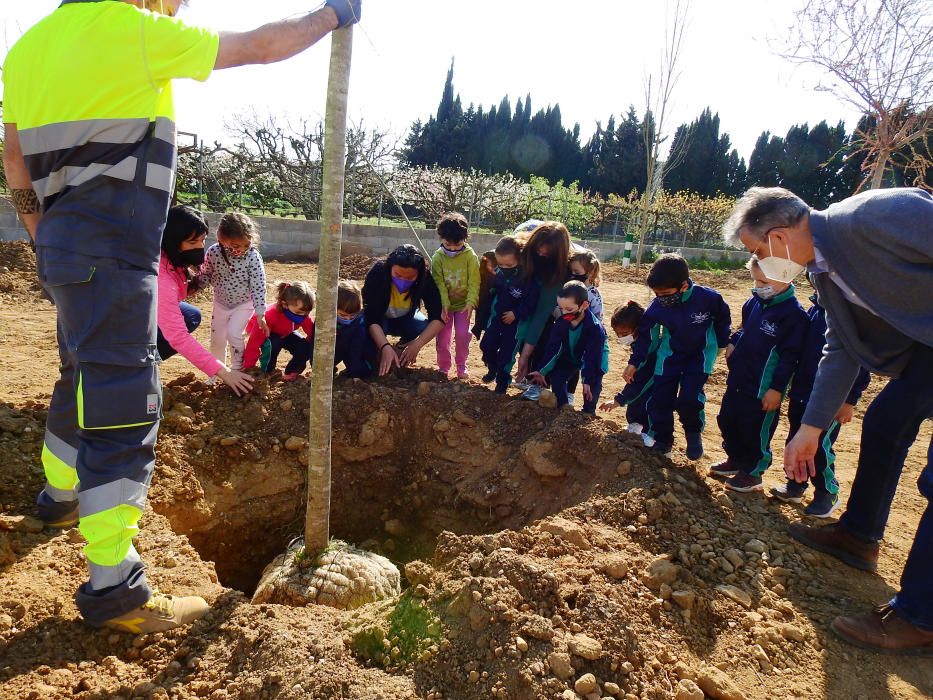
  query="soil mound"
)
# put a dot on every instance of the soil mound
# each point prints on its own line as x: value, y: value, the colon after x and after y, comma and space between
x: 18, y: 269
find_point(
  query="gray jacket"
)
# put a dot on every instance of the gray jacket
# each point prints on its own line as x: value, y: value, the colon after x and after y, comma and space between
x: 880, y: 243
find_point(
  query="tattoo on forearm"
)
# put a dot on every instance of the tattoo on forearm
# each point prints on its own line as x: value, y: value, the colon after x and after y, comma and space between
x: 26, y: 201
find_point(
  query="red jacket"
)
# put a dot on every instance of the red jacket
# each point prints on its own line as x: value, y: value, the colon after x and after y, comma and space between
x: 279, y: 324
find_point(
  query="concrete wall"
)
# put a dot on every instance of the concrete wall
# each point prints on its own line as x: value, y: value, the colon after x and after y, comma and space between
x: 298, y: 237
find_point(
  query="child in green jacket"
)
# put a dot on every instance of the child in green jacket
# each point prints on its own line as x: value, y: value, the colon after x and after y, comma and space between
x: 455, y: 269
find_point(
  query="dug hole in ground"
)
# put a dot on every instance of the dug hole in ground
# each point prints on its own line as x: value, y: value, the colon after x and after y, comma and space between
x: 545, y: 554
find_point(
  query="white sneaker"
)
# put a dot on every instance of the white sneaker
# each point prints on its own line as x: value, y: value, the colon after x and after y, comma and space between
x: 649, y: 442
x: 524, y: 384
x: 570, y: 400
x: 635, y: 428
x: 532, y: 393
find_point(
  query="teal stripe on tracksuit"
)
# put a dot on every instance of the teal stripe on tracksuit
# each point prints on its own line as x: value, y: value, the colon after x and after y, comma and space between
x: 829, y: 472
x: 765, y: 443
x: 767, y: 374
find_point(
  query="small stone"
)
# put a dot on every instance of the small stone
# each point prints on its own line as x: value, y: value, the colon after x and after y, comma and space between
x: 6, y: 623
x: 294, y: 443
x: 521, y: 644
x: 547, y: 399
x: 229, y: 440
x: 424, y: 388
x: 756, y: 547
x: 688, y: 690
x: 395, y: 527
x: 624, y: 468
x: 585, y: 647
x: 567, y: 530
x: 685, y: 599
x: 627, y: 667
x: 560, y: 665
x: 718, y: 685
x: 615, y: 566
x: 585, y: 684
x: 661, y: 570
x: 736, y: 594
x: 735, y: 557
x: 791, y: 632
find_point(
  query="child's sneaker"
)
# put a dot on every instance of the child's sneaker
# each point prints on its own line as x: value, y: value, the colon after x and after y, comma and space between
x: 570, y: 400
x: 791, y: 492
x: 823, y: 505
x: 694, y: 445
x: 523, y: 384
x: 489, y: 376
x: 635, y: 428
x: 723, y: 469
x: 463, y: 375
x: 664, y: 448
x: 647, y: 439
x: 532, y: 393
x: 744, y: 483
x: 290, y: 376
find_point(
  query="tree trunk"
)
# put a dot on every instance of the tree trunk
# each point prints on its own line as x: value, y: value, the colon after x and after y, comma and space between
x: 877, y: 175
x: 317, y: 515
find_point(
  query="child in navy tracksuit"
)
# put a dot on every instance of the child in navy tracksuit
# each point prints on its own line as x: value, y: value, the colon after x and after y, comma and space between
x: 353, y: 347
x: 696, y: 324
x: 577, y: 344
x: 634, y: 397
x: 762, y: 357
x: 511, y: 301
x: 826, y: 499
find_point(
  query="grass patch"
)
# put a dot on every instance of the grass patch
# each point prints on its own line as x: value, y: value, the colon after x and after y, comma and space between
x: 395, y: 633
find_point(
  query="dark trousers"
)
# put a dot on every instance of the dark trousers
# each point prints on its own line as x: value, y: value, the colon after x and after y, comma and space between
x: 99, y: 447
x: 297, y: 345
x: 890, y: 427
x: 746, y: 431
x: 407, y: 328
x: 354, y: 349
x: 538, y: 356
x: 499, y: 347
x: 636, y: 410
x: 825, y: 459
x: 192, y: 316
x: 561, y: 375
x: 680, y: 390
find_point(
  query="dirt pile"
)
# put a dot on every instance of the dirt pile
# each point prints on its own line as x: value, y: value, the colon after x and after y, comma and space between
x: 18, y: 269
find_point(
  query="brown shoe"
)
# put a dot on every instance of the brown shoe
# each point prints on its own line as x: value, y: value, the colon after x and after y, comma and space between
x: 834, y: 540
x: 885, y: 632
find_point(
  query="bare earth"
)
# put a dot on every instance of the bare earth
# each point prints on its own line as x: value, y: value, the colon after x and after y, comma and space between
x: 526, y: 522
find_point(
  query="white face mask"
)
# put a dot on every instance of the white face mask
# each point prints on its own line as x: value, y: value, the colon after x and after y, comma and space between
x: 626, y: 340
x: 764, y: 293
x: 780, y: 269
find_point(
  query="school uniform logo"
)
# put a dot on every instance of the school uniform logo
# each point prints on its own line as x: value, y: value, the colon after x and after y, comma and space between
x: 516, y: 292
x: 769, y: 328
x: 700, y: 317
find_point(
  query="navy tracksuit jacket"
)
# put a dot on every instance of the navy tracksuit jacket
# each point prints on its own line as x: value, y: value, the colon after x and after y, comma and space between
x: 354, y: 348
x: 802, y: 385
x: 767, y: 350
x: 583, y: 349
x: 693, y: 331
x: 499, y: 345
x: 634, y: 397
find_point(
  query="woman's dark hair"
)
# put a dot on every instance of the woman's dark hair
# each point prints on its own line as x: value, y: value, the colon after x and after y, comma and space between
x: 407, y: 256
x: 628, y: 315
x: 669, y: 271
x: 453, y: 227
x: 183, y: 223
x: 555, y: 235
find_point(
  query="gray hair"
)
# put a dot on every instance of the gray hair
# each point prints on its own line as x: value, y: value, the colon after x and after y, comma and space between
x: 761, y: 209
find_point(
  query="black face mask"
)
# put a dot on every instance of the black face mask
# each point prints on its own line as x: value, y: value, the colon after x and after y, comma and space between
x: 579, y: 278
x: 508, y: 272
x: 189, y: 258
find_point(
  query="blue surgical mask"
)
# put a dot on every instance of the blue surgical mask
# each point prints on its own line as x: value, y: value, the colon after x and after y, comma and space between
x: 346, y: 321
x: 452, y: 253
x: 293, y: 317
x: 401, y: 284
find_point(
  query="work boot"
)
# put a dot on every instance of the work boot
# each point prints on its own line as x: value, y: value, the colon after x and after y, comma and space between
x: 744, y: 483
x: 885, y: 632
x: 161, y: 612
x: 836, y: 541
x: 694, y: 445
x: 791, y: 492
x: 60, y: 516
x: 723, y: 469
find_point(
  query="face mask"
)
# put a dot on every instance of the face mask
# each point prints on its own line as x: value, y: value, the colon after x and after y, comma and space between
x: 669, y: 300
x: 579, y: 278
x: 191, y: 258
x: 452, y: 253
x: 346, y: 321
x: 401, y: 284
x: 293, y: 317
x: 572, y: 317
x: 626, y: 340
x: 780, y: 269
x: 764, y: 293
x: 508, y: 272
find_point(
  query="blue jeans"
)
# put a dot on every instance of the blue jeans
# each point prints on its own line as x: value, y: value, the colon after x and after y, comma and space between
x: 407, y: 327
x: 192, y: 316
x: 890, y: 427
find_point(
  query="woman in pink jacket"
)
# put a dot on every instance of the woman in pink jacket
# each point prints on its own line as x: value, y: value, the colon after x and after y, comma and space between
x: 182, y: 256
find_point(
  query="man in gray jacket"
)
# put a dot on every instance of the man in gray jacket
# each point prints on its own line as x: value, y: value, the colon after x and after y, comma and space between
x: 870, y: 258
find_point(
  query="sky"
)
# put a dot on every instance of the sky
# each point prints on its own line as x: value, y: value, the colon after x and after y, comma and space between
x: 590, y: 56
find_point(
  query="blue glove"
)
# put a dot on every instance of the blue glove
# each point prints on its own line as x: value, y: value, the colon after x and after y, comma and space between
x: 348, y: 11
